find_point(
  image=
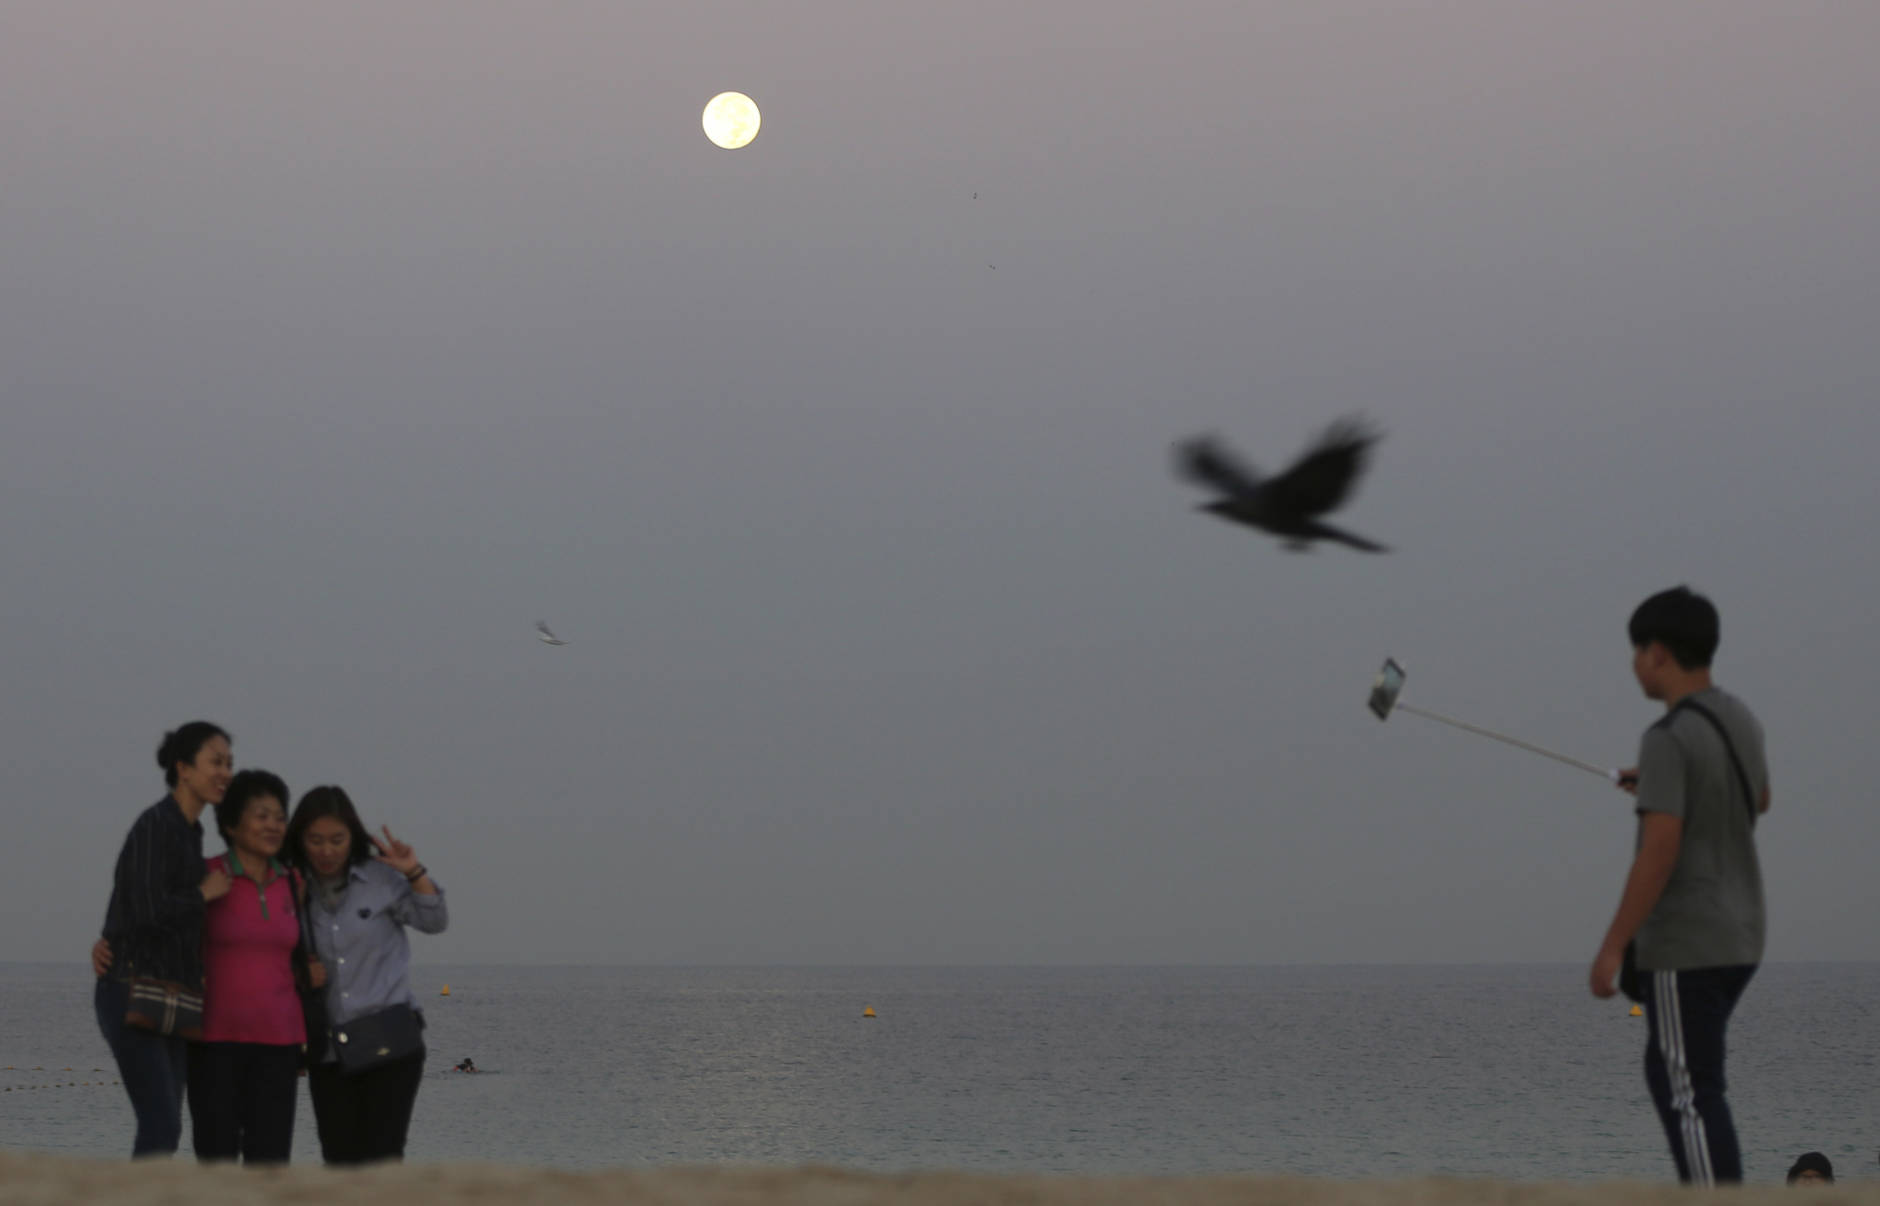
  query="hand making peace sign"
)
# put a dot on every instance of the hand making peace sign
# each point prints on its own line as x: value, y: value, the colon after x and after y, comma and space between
x: 394, y: 853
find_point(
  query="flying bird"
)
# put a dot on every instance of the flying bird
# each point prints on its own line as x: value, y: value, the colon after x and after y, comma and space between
x: 1287, y: 505
x: 545, y: 636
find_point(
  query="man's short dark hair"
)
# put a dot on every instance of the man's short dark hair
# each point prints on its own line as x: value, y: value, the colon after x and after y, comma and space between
x: 1681, y: 620
x: 244, y: 789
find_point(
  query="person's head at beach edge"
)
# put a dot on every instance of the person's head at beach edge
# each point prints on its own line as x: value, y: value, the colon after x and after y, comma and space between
x: 326, y: 835
x: 1811, y: 1168
x: 197, y: 762
x: 1674, y: 636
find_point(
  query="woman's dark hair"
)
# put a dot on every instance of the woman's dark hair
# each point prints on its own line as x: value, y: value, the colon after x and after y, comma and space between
x: 326, y: 802
x: 244, y: 789
x: 1681, y: 620
x: 181, y: 745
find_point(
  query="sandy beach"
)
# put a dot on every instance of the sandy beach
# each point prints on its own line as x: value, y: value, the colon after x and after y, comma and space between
x: 41, y: 1180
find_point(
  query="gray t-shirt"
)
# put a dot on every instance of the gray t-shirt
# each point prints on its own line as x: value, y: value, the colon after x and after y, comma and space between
x: 1711, y: 913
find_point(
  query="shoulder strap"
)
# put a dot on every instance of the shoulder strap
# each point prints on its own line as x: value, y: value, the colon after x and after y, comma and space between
x: 1742, y: 777
x: 303, y: 897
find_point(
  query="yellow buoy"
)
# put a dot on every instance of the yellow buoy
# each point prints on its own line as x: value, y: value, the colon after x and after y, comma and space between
x: 1637, y: 1012
x: 446, y: 991
x: 868, y: 1011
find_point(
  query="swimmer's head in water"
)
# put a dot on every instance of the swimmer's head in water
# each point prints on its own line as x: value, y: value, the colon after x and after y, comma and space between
x: 1811, y: 1168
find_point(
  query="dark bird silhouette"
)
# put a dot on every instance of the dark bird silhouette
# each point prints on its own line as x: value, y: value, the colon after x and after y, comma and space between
x: 1288, y: 505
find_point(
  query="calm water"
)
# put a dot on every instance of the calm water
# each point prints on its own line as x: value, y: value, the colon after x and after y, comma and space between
x: 1335, y: 1071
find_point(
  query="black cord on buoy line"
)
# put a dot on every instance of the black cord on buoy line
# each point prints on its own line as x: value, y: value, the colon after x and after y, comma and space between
x: 57, y: 1084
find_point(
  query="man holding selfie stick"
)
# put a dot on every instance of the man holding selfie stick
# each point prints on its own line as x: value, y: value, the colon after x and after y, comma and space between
x: 1692, y: 910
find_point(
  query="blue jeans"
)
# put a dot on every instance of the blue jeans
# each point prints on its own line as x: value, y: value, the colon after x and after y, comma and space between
x: 153, y: 1067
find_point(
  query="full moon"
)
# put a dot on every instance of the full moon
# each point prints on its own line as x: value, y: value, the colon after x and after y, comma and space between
x: 731, y: 120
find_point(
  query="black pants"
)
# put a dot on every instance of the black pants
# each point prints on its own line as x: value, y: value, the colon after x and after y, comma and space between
x: 241, y: 1101
x: 364, y: 1117
x: 1688, y: 1012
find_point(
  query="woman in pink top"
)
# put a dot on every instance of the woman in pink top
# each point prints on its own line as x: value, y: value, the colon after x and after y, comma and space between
x: 245, y: 1074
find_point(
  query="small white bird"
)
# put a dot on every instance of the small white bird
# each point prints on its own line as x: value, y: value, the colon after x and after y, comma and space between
x: 547, y: 637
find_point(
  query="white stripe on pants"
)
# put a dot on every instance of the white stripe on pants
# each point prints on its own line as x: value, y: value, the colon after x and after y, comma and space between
x: 1678, y: 1071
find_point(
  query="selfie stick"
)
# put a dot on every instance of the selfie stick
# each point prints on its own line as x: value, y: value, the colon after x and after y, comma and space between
x: 1390, y: 680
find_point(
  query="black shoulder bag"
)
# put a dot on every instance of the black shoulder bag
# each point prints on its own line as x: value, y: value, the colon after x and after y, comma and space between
x: 393, y: 1033
x: 1629, y: 982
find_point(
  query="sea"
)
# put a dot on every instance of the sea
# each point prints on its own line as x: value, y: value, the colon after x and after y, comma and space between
x: 1332, y: 1071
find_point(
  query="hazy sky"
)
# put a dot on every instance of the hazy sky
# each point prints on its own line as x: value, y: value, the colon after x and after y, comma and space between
x: 340, y: 342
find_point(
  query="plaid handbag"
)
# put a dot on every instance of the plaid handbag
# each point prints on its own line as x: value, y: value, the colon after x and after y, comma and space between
x: 164, y: 1007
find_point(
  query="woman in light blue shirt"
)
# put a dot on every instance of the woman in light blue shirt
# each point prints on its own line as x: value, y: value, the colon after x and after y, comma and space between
x: 363, y: 894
